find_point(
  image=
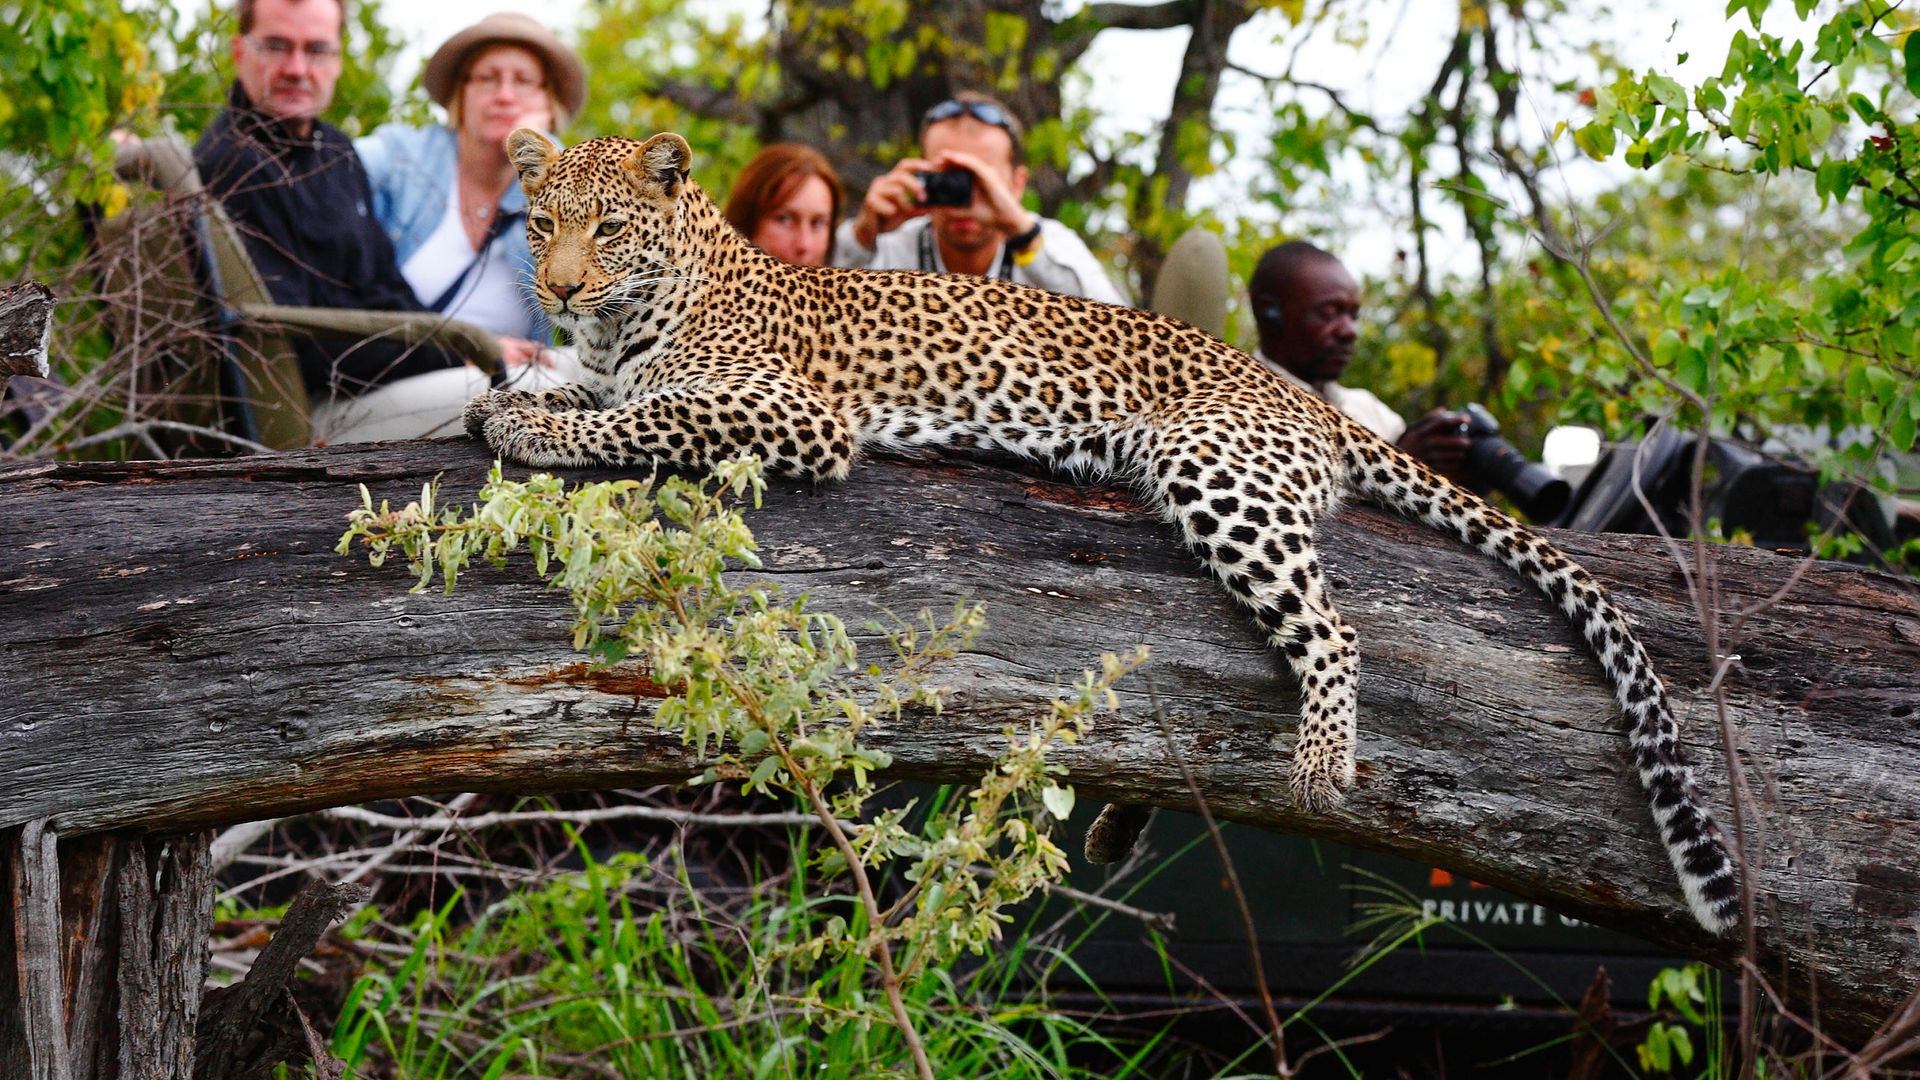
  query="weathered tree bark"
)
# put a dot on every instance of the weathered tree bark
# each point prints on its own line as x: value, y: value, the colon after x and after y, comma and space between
x: 188, y: 652
x: 165, y: 896
x: 26, y: 326
x: 105, y: 954
x: 37, y: 953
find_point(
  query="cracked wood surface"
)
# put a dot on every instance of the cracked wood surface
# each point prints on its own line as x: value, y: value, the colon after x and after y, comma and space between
x: 26, y: 328
x: 184, y: 649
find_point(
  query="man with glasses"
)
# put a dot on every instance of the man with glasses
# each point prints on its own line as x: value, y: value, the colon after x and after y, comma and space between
x: 1307, y: 310
x: 300, y: 197
x: 988, y: 233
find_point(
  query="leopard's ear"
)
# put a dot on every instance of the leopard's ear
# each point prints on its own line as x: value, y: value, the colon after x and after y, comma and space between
x: 659, y: 168
x: 532, y: 154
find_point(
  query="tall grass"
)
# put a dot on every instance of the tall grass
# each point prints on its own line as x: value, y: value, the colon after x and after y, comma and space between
x: 593, y: 975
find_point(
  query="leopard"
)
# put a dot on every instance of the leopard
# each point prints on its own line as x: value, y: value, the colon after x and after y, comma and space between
x: 698, y: 347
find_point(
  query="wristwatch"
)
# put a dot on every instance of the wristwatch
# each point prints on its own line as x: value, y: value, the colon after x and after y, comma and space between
x: 1017, y: 244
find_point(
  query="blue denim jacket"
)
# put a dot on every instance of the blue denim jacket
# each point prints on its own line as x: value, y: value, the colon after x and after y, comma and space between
x: 412, y: 170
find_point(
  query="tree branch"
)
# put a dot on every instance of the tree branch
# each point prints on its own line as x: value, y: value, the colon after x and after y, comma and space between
x: 246, y: 1028
x: 1214, y: 23
x: 1162, y: 16
x: 1072, y: 36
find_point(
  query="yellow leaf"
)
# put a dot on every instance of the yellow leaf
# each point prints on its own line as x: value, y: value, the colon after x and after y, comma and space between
x: 1412, y: 363
x: 115, y: 202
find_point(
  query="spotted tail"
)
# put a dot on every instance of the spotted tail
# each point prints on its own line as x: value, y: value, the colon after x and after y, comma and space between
x: 1706, y: 869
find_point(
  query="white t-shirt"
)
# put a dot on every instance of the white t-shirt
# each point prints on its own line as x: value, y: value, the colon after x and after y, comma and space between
x: 1363, y: 407
x: 1063, y: 264
x: 490, y: 297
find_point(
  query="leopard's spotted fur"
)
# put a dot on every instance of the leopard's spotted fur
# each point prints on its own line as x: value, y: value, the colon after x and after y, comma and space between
x: 700, y: 347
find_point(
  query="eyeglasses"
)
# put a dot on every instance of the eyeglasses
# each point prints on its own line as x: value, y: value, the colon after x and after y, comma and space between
x: 518, y: 83
x: 984, y: 111
x: 522, y: 85
x: 280, y: 50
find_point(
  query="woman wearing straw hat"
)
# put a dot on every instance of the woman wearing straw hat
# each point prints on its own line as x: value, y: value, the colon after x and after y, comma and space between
x: 448, y: 196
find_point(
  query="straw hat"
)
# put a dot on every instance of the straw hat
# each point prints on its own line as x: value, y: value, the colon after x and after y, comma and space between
x: 568, y: 75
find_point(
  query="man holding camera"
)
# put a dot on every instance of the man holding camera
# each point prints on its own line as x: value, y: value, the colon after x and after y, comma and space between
x: 956, y: 209
x: 1307, y: 309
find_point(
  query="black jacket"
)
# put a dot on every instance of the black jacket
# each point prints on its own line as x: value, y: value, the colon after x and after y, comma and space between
x: 306, y: 211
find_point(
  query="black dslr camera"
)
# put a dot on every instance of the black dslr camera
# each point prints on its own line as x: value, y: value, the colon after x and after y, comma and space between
x: 1492, y: 460
x: 948, y: 187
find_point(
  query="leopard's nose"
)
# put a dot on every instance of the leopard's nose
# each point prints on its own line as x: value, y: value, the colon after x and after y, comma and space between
x: 562, y: 292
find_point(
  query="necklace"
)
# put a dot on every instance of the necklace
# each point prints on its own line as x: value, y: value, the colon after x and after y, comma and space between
x: 477, y: 207
x: 476, y: 222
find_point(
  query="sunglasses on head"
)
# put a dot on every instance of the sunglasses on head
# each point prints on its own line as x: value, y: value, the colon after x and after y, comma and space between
x: 984, y: 111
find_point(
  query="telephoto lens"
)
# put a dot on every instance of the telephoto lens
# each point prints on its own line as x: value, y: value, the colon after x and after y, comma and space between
x: 1493, y: 461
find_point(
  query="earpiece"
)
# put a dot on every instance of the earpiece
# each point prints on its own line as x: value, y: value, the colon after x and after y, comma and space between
x: 1269, y: 317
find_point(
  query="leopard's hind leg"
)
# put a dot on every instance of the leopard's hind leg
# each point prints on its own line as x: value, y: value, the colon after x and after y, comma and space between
x: 1325, y: 660
x: 1247, y: 500
x: 1247, y: 503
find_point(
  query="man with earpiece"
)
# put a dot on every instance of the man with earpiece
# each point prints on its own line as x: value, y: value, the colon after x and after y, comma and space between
x: 1307, y: 309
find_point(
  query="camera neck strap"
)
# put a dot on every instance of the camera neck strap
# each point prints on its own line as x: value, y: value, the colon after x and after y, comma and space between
x: 931, y: 264
x: 500, y: 222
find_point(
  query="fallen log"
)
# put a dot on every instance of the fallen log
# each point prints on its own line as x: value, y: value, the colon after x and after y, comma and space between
x: 185, y: 650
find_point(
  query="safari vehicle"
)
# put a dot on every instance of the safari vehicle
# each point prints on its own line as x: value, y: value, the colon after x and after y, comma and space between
x: 1317, y: 908
x: 1491, y: 989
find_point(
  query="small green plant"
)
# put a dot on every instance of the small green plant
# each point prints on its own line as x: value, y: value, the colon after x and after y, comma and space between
x: 1692, y: 992
x: 771, y: 695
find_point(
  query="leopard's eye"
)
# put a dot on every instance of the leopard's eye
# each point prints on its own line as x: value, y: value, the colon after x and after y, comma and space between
x: 542, y: 224
x: 610, y: 227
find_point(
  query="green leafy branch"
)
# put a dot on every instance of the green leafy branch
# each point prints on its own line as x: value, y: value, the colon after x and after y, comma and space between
x: 771, y: 695
x: 1834, y: 345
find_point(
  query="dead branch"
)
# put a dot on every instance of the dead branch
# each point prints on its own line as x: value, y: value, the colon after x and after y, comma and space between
x: 247, y: 1028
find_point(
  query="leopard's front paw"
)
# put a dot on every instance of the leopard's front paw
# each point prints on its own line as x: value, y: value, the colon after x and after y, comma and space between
x: 1320, y: 778
x: 489, y: 404
x: 528, y: 436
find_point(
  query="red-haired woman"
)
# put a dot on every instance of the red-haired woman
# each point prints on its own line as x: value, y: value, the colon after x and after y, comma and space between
x: 787, y: 200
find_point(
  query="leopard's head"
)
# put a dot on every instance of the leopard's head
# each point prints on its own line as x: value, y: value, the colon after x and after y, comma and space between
x: 601, y: 219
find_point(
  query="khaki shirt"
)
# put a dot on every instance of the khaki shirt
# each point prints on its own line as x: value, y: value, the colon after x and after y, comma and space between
x: 1360, y: 406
